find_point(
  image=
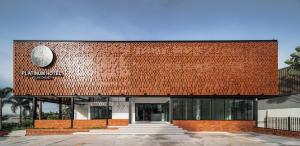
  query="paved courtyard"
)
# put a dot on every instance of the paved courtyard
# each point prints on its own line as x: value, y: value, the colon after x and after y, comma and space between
x: 192, y: 139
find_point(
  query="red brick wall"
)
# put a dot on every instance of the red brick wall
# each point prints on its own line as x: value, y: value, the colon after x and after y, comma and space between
x: 118, y: 122
x: 154, y: 68
x: 89, y: 124
x: 31, y: 132
x: 215, y: 125
x: 277, y: 132
x: 49, y: 124
x: 79, y: 124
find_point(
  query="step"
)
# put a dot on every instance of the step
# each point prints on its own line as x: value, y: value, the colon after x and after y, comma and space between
x: 150, y: 128
x: 140, y: 130
x: 145, y: 133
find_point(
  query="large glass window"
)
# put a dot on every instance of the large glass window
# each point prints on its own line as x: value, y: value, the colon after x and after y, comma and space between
x: 215, y: 109
x: 205, y: 107
x: 99, y: 112
x: 218, y: 109
x: 229, y: 109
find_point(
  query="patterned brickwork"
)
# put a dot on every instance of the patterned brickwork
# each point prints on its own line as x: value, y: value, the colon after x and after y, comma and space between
x: 152, y: 68
x: 50, y: 124
x: 89, y: 124
x: 278, y: 132
x: 118, y: 122
x: 215, y: 125
x: 32, y: 132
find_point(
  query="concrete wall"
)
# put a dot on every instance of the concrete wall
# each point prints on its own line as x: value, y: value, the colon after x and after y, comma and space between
x: 119, y: 110
x: 278, y: 107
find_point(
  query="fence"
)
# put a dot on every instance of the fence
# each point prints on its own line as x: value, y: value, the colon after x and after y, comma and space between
x: 283, y: 123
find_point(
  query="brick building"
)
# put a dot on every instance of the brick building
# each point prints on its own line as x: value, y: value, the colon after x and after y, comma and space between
x: 197, y: 85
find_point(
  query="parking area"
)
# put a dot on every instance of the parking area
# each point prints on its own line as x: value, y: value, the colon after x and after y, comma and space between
x: 191, y: 139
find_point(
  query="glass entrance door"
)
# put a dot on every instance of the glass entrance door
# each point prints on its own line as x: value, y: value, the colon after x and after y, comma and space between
x: 151, y: 112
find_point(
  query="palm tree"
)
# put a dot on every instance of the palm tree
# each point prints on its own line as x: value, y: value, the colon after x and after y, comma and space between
x: 23, y: 104
x: 5, y: 92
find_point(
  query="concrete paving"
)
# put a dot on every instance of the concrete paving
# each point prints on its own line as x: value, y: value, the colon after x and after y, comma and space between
x: 190, y: 139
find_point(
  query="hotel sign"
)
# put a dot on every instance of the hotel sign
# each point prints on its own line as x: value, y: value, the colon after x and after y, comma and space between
x: 42, y: 56
x: 42, y: 75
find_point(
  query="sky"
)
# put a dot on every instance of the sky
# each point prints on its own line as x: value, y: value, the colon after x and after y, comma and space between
x: 147, y: 20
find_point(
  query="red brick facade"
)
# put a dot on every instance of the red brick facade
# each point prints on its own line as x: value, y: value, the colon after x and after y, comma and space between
x: 78, y: 124
x: 118, y: 122
x: 89, y: 124
x: 215, y: 125
x: 32, y: 132
x: 278, y: 132
x: 51, y: 124
x: 152, y: 68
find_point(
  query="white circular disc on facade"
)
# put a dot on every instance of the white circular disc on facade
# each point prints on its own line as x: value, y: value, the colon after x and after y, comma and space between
x: 41, y: 56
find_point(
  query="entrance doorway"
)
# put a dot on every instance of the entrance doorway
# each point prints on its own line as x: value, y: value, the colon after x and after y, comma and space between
x: 152, y: 111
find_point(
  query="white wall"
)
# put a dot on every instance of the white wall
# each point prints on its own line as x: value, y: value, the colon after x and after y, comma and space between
x: 119, y: 110
x: 286, y: 112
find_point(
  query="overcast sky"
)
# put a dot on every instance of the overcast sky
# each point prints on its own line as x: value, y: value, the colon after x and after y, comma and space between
x: 147, y: 20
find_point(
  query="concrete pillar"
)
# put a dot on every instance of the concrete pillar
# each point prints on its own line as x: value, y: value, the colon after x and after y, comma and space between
x: 60, y: 108
x: 107, y: 110
x: 171, y: 110
x: 255, y: 111
x: 72, y: 111
x: 129, y: 111
x: 33, y: 110
x: 40, y: 110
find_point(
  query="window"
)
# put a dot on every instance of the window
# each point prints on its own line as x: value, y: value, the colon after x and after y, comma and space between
x: 218, y: 109
x: 212, y: 109
x: 244, y: 109
x: 205, y: 109
x: 99, y: 112
x: 229, y: 109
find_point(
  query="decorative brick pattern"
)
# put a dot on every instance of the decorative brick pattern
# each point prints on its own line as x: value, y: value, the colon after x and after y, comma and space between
x: 32, y: 132
x: 118, y: 122
x: 78, y: 124
x: 277, y: 132
x: 52, y: 124
x: 89, y: 124
x: 215, y: 125
x: 152, y: 68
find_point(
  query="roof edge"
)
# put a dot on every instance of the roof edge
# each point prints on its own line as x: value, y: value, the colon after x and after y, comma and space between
x: 145, y: 40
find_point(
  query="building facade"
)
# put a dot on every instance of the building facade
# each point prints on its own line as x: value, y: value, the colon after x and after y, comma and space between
x: 198, y: 85
x: 287, y: 104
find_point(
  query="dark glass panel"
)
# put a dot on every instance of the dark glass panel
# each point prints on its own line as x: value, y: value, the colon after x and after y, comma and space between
x: 99, y: 112
x: 205, y: 110
x: 218, y: 109
x: 229, y: 109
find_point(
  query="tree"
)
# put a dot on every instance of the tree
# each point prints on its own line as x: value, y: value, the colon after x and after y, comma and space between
x: 294, y: 62
x: 23, y: 104
x: 4, y: 93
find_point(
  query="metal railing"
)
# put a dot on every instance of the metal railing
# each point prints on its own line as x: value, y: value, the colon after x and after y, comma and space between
x: 283, y: 123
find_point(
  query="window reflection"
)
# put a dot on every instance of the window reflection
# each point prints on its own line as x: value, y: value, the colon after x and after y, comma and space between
x: 215, y: 109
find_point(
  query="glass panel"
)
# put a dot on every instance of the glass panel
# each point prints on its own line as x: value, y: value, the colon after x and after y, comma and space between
x: 196, y: 109
x: 178, y: 109
x: 189, y: 109
x: 241, y: 109
x: 99, y: 112
x: 229, y: 109
x: 218, y: 109
x: 250, y: 110
x: 205, y: 110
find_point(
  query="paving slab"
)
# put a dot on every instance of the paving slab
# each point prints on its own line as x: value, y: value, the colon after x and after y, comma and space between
x: 190, y: 139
